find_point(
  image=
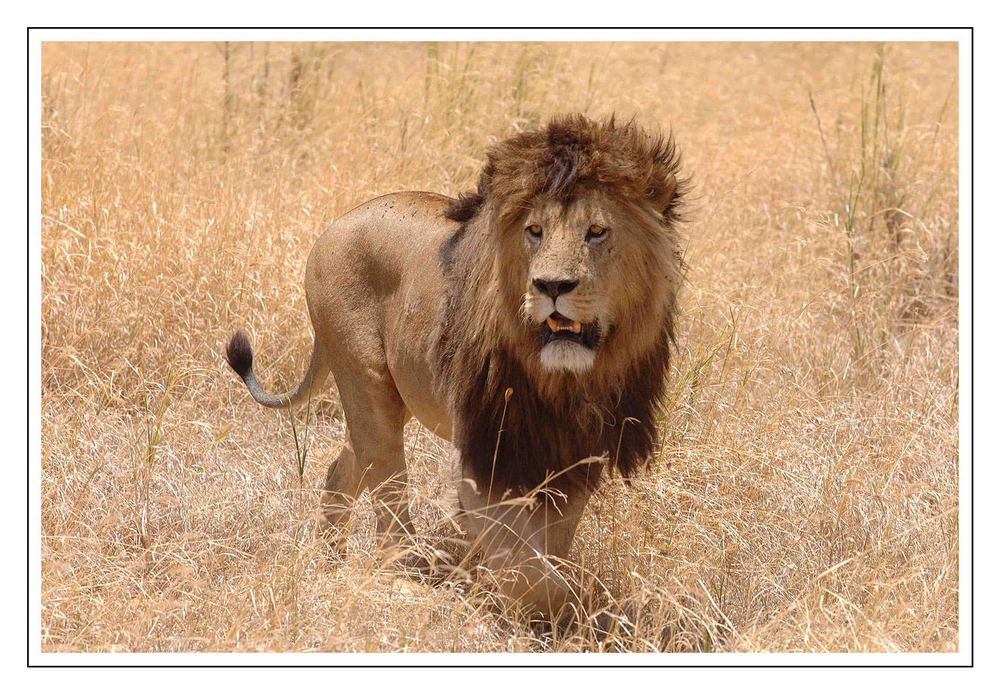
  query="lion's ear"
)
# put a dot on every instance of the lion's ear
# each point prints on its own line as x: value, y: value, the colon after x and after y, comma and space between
x: 661, y: 193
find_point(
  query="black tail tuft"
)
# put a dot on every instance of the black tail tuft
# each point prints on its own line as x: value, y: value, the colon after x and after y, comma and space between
x: 239, y: 354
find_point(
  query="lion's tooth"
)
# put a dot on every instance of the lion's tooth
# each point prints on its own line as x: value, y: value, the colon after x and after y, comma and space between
x: 553, y: 325
x: 576, y: 327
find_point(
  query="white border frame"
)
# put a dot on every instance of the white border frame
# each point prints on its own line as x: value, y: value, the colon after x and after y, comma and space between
x: 963, y: 657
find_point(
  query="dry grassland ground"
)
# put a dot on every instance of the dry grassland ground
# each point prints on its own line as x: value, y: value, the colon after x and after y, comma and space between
x: 804, y: 497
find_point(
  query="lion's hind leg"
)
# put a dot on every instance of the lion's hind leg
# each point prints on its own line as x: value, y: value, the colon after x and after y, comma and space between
x: 375, y: 416
x: 342, y: 488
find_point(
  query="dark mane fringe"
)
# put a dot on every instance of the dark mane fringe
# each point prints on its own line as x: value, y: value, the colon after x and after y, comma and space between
x: 541, y: 438
x: 467, y: 205
x: 474, y: 368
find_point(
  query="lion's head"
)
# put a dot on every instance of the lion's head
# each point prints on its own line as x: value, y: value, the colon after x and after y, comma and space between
x: 562, y: 285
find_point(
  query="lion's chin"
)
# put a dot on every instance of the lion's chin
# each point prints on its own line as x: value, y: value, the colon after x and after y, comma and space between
x: 566, y: 355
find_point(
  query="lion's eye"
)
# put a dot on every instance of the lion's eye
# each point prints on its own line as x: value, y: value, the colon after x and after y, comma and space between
x: 534, y: 231
x: 596, y: 232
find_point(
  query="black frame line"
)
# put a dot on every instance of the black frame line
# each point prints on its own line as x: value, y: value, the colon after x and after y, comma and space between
x: 971, y: 382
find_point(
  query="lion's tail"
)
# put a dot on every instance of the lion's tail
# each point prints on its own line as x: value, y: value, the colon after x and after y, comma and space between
x: 239, y: 354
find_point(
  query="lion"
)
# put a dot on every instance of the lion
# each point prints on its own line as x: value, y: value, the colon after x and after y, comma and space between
x: 529, y: 322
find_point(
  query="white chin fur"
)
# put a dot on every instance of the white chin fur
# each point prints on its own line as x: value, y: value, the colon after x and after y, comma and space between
x: 560, y: 355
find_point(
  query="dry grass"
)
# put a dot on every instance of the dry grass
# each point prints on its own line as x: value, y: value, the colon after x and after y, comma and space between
x: 805, y: 497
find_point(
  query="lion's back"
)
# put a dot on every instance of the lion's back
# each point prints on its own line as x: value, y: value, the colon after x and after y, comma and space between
x: 370, y: 247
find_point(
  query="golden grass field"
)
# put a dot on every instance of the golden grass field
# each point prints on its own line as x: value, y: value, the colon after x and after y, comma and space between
x: 805, y: 495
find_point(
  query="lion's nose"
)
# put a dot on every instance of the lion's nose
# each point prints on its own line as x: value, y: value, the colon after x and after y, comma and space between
x: 555, y: 287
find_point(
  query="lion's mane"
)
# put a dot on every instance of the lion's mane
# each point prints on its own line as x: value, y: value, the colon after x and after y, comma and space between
x: 481, y: 347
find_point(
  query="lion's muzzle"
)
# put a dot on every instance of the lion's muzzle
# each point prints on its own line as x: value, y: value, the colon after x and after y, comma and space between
x: 559, y: 327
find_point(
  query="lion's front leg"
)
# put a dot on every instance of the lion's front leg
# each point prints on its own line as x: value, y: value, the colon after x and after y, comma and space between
x: 524, y: 542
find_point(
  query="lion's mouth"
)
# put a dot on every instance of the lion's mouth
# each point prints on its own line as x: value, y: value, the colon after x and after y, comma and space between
x: 559, y: 327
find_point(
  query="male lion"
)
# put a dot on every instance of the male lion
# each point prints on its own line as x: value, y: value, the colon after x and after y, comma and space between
x: 528, y: 322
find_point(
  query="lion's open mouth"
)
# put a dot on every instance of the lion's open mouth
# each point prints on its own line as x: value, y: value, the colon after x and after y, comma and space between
x: 559, y: 327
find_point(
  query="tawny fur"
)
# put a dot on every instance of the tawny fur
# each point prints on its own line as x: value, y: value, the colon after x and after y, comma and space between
x: 431, y: 307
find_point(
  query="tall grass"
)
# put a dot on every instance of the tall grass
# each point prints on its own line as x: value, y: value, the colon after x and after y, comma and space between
x: 804, y: 495
x: 900, y: 263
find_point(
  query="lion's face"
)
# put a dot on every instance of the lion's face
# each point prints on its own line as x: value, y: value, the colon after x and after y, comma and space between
x: 582, y: 269
x: 560, y: 282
